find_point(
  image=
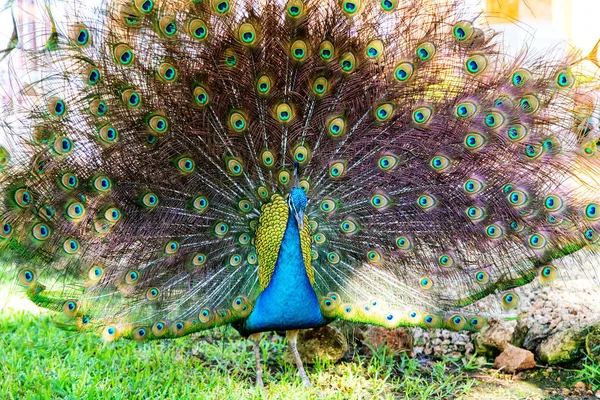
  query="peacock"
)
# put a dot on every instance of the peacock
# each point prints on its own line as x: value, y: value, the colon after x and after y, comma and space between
x: 176, y: 166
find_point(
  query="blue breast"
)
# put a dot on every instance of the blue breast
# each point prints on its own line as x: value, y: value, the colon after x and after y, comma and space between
x: 289, y: 301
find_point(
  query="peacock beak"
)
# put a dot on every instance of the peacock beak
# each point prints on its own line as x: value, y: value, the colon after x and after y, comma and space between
x: 299, y: 214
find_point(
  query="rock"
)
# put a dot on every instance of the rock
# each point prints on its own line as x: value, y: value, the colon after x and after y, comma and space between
x: 494, y: 337
x: 592, y: 345
x: 397, y: 340
x: 564, y: 346
x: 597, y: 394
x: 325, y: 343
x: 514, y: 359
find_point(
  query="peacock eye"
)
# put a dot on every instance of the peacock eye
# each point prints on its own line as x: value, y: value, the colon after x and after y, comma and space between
x: 476, y: 64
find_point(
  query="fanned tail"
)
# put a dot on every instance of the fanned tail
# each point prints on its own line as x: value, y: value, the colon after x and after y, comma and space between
x: 439, y: 170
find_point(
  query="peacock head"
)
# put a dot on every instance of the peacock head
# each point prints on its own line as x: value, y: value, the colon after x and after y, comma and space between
x: 297, y: 202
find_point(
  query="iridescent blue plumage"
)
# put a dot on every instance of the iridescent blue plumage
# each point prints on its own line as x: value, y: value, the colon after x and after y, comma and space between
x: 289, y: 302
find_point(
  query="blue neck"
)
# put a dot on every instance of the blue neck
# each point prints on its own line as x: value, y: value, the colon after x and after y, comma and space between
x: 289, y: 301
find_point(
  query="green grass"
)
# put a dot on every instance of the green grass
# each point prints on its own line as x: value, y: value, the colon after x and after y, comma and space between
x: 40, y: 361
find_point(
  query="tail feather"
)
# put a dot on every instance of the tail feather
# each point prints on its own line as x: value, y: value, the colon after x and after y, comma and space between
x: 439, y: 170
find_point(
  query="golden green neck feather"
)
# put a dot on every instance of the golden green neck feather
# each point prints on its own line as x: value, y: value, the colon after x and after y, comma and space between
x: 269, y: 234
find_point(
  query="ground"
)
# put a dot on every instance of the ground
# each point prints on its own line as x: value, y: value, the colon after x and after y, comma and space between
x: 40, y: 361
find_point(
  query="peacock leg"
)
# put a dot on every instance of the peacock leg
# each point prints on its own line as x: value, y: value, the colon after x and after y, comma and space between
x: 255, y: 338
x: 292, y: 337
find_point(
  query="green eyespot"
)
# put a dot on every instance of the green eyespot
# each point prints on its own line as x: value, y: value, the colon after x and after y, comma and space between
x: 123, y: 54
x: 482, y: 277
x: 351, y: 7
x: 517, y: 198
x: 564, y: 78
x: 157, y: 123
x: 167, y: 26
x: 71, y: 246
x: 131, y: 98
x: 144, y: 6
x: 333, y: 257
x: 494, y: 231
x: 267, y: 158
x: 150, y: 200
x: 387, y: 162
x: 337, y: 169
x: 57, y: 107
x: 244, y: 206
x: 62, y: 146
x: 516, y: 132
x: 98, y: 108
x: 234, y: 166
x: 384, y: 112
x: 529, y: 104
x: 166, y: 73
x: 23, y: 197
x: 510, y: 300
x: 547, y: 274
x: 284, y: 113
x: 220, y: 229
x: 326, y: 50
x: 520, y: 77
x: 75, y: 211
x: 404, y: 71
x: 237, y: 122
x: 348, y: 62
x: 295, y: 9
x: 426, y: 51
x: 473, y: 186
x: 41, y: 231
x: 422, y: 115
x: 349, y: 226
x: 380, y: 201
x: 80, y: 35
x: 301, y: 154
x: 426, y: 202
x: 403, y: 243
x: 494, y: 119
x: 440, y: 163
x: 320, y: 86
x: 374, y: 49
x: 336, y: 127
x: 284, y: 177
x: 476, y: 64
x: 475, y: 213
x: 327, y: 206
x: 199, y: 259
x: 222, y: 7
x: 200, y: 203
x: 92, y: 76
x: 553, y: 203
x: 474, y: 141
x: 171, y: 247
x: 197, y: 29
x: 247, y: 34
x: 466, y: 109
x: 388, y: 5
x: 463, y: 31
x: 537, y: 241
x: 201, y: 96
x: 299, y: 50
x: 592, y: 211
x: 426, y: 283
x: 185, y: 165
x: 445, y: 260
x: 264, y: 84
